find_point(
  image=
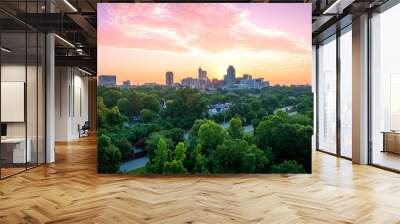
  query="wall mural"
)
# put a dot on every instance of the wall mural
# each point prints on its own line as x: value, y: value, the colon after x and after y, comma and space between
x: 207, y: 88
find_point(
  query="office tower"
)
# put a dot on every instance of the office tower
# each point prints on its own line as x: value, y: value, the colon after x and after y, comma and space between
x: 202, y: 74
x: 169, y: 79
x: 107, y: 80
x: 230, y: 76
x: 203, y: 79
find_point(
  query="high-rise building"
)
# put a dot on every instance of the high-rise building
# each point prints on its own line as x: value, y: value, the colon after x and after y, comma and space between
x: 202, y: 74
x: 203, y: 79
x: 107, y: 80
x: 169, y: 79
x: 230, y: 77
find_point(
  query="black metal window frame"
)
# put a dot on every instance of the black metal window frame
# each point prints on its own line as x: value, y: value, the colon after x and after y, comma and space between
x: 387, y: 5
x: 339, y: 32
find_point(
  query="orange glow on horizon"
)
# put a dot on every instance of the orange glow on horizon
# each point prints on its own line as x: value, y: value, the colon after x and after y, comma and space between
x: 141, y: 42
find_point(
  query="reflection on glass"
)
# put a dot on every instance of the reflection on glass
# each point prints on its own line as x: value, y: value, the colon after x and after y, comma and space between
x: 14, y: 153
x: 385, y: 114
x: 327, y: 96
x: 346, y: 94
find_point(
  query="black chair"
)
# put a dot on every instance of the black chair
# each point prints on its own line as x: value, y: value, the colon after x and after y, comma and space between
x: 84, y: 130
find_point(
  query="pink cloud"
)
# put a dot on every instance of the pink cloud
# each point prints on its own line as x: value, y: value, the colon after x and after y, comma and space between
x: 187, y: 27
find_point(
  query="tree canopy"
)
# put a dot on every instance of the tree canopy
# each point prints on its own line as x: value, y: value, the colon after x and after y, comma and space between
x: 179, y: 134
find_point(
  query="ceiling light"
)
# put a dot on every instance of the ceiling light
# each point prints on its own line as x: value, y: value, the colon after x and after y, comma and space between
x: 337, y: 7
x: 5, y: 50
x: 84, y: 71
x: 79, y: 51
x: 65, y: 41
x: 70, y: 5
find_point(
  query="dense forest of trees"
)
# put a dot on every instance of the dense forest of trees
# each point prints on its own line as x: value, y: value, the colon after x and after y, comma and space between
x: 178, y: 134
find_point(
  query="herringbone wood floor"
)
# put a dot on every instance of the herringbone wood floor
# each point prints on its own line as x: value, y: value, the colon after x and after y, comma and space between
x: 70, y: 191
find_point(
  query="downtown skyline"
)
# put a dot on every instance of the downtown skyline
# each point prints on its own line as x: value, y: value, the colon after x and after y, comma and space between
x: 149, y: 39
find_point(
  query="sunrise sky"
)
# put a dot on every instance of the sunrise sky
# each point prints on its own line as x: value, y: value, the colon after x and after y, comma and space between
x: 141, y: 41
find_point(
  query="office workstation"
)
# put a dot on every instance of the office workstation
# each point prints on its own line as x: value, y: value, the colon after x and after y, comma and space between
x: 16, y: 146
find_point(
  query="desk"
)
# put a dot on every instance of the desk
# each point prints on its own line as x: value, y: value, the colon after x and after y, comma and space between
x: 391, y: 141
x: 13, y: 150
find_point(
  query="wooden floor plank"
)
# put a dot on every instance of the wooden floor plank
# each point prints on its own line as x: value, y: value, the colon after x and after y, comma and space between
x: 70, y: 191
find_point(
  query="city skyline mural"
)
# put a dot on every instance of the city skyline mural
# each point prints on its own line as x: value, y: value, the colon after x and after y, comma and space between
x: 206, y: 88
x: 268, y: 41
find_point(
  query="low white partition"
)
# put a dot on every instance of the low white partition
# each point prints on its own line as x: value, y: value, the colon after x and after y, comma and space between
x: 19, y: 153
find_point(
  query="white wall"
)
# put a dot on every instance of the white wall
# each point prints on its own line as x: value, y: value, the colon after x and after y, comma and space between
x: 80, y: 110
x: 62, y: 82
x: 71, y: 102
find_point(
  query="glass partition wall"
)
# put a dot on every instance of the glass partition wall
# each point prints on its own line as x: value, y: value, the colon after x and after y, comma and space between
x: 385, y: 89
x: 22, y: 98
x: 13, y: 86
